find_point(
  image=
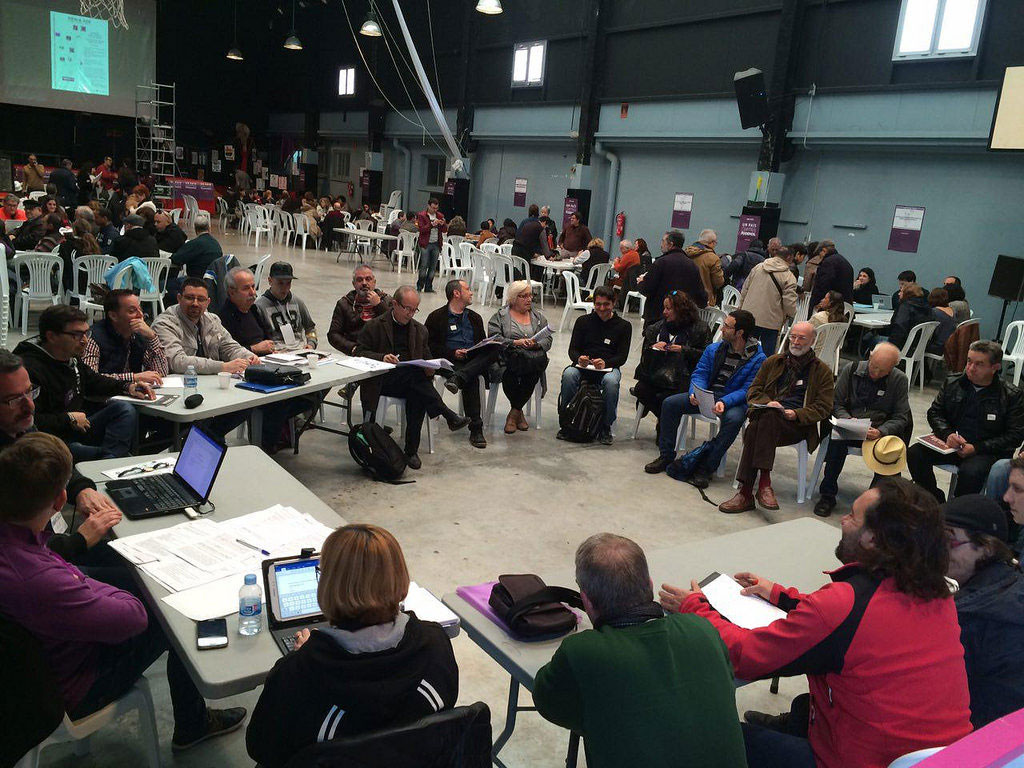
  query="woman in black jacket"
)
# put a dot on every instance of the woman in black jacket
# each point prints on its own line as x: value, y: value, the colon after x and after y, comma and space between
x: 373, y: 667
x: 672, y: 347
x: 914, y: 309
x: 865, y: 287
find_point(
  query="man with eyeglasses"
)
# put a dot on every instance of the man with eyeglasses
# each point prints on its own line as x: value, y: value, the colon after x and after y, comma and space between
x: 17, y: 410
x: 394, y: 337
x: 69, y: 390
x: 789, y: 398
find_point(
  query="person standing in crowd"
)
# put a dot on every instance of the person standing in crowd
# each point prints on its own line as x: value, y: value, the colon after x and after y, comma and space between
x: 738, y: 268
x: 285, y: 314
x: 523, y: 359
x: 432, y: 227
x: 590, y: 685
x: 726, y: 369
x: 574, y: 237
x: 674, y: 271
x: 33, y: 176
x: 977, y: 414
x: 987, y: 605
x: 865, y: 287
x: 66, y: 182
x: 702, y: 253
x: 834, y: 273
x: 646, y: 260
x: 769, y: 294
x: 356, y: 308
x: 789, y: 398
x: 530, y: 239
x: 876, y: 690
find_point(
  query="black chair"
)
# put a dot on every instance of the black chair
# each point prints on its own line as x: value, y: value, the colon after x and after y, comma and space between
x: 31, y: 706
x: 455, y: 738
x: 628, y: 285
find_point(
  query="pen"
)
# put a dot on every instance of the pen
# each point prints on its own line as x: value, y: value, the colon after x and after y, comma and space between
x: 252, y: 546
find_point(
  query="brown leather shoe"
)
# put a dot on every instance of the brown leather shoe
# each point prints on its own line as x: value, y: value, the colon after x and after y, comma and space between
x: 766, y: 498
x: 510, y: 422
x: 521, y: 423
x: 741, y: 502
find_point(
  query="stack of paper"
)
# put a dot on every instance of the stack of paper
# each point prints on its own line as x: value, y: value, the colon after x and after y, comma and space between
x: 851, y: 429
x: 427, y: 607
x: 365, y: 364
x: 747, y: 611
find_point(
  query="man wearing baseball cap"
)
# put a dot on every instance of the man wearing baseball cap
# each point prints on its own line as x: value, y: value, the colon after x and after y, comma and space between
x: 286, y: 315
x: 988, y: 605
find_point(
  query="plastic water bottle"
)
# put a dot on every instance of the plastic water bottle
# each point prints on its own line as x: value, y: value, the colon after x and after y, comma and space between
x: 191, y: 380
x: 250, y: 607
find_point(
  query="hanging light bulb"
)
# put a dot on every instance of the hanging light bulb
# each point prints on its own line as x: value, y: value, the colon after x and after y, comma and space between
x: 371, y: 27
x: 235, y: 53
x: 490, y: 7
x: 292, y: 42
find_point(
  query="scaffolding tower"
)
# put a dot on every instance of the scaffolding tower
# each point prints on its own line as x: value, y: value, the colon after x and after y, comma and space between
x: 154, y: 137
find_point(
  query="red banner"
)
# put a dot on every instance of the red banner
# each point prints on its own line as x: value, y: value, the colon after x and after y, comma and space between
x: 202, y: 191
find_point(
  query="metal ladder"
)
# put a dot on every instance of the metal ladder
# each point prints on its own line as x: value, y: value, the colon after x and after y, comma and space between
x: 155, y: 137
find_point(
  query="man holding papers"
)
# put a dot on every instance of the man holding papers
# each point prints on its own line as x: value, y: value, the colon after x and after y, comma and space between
x: 978, y: 415
x: 878, y: 690
x: 394, y: 337
x: 722, y: 377
x: 454, y: 331
x: 875, y: 390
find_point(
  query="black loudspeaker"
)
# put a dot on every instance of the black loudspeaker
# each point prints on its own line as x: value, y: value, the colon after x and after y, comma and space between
x: 582, y: 198
x: 370, y: 182
x: 455, y: 200
x: 751, y: 97
x: 769, y: 226
x: 1008, y: 279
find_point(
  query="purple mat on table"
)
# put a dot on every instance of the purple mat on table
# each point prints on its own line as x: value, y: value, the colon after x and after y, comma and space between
x: 477, y: 595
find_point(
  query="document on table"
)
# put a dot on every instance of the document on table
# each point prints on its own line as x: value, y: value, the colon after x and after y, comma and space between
x: 162, y: 466
x: 160, y: 399
x: 365, y: 364
x: 851, y: 429
x: 705, y: 401
x: 285, y: 358
x: 433, y: 364
x: 172, y: 382
x: 747, y: 611
x: 427, y: 607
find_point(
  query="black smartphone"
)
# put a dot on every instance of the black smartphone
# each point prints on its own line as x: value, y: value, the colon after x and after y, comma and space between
x: 212, y: 633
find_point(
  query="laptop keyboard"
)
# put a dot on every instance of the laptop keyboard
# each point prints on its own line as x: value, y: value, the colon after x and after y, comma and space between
x: 289, y: 642
x: 164, y: 494
x: 300, y: 604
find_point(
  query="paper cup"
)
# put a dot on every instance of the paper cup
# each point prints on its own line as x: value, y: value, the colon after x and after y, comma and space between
x: 224, y: 379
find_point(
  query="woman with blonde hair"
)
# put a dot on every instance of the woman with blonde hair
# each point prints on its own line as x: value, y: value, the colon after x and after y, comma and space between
x: 523, y: 360
x: 373, y: 666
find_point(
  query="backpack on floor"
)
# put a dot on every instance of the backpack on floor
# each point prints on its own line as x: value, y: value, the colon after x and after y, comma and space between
x: 374, y: 450
x: 581, y: 418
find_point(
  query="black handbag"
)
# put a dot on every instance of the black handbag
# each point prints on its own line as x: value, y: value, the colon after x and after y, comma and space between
x: 532, y: 610
x: 276, y: 375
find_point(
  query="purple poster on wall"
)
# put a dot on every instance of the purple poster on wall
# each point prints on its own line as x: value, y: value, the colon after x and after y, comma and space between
x: 682, y: 205
x: 364, y: 185
x: 449, y: 187
x: 519, y: 195
x: 748, y: 231
x: 572, y: 205
x: 907, y: 222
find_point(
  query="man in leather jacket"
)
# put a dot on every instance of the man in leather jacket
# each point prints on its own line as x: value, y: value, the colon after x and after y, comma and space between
x: 978, y: 415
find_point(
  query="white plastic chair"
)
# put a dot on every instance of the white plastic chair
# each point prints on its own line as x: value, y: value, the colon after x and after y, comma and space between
x: 483, y: 272
x: 803, y: 307
x: 159, y: 268
x: 301, y: 225
x: 364, y: 245
x: 828, y: 342
x: 455, y: 240
x: 572, y: 297
x: 522, y: 269
x: 802, y: 455
x: 503, y: 273
x: 819, y: 461
x: 533, y: 404
x: 286, y: 226
x: 407, y: 251
x: 398, y: 403
x: 490, y: 247
x: 94, y: 268
x: 259, y: 269
x: 712, y: 316
x: 913, y: 351
x: 913, y: 758
x: 505, y: 249
x: 257, y: 225
x: 40, y: 267
x: 5, y: 302
x: 598, y: 275
x: 223, y: 213
x: 460, y: 263
x: 730, y: 298
x: 1013, y: 349
x: 954, y: 472
x: 138, y: 699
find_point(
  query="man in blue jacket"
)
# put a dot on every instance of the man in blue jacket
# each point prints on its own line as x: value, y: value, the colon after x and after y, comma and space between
x: 726, y: 369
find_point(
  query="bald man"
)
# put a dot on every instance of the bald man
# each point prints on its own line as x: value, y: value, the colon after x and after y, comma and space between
x: 870, y: 389
x: 791, y: 395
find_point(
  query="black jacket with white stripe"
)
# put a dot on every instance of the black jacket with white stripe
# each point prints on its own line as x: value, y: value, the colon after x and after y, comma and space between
x: 323, y: 692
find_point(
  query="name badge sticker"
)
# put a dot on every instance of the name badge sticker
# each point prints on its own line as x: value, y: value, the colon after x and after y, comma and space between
x: 607, y: 341
x: 800, y: 383
x: 991, y: 417
x: 453, y: 327
x: 881, y: 393
x: 58, y: 523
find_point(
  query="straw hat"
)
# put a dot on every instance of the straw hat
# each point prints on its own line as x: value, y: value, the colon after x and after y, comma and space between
x: 886, y: 456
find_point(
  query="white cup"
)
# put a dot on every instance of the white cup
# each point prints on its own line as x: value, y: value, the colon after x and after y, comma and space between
x: 224, y: 379
x: 312, y: 359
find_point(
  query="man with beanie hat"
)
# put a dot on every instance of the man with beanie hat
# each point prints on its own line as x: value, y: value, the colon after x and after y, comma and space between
x: 988, y: 605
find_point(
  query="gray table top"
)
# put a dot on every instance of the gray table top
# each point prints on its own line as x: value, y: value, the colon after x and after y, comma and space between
x: 793, y: 553
x: 244, y: 663
x: 217, y: 401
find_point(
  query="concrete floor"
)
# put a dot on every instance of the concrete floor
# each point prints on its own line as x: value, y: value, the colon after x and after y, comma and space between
x: 521, y: 505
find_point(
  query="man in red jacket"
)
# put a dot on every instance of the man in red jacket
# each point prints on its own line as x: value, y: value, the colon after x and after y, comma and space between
x: 880, y: 645
x: 432, y: 227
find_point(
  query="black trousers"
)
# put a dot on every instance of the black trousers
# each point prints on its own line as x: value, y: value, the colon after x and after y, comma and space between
x: 973, y: 471
x: 518, y: 387
x: 467, y: 373
x: 421, y: 399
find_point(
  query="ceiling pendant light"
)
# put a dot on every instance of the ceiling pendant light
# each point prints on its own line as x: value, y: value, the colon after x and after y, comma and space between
x: 292, y: 42
x: 235, y: 53
x: 490, y: 7
x: 371, y: 27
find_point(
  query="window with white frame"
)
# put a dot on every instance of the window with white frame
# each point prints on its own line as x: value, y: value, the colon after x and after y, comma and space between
x: 435, y: 172
x: 528, y: 64
x: 938, y: 29
x: 341, y: 164
x: 347, y: 81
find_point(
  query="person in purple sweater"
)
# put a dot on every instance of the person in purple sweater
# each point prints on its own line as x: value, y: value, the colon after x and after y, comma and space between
x: 98, y: 639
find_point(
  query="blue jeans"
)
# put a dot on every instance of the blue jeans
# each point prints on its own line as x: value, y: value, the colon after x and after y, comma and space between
x: 771, y: 749
x: 428, y: 266
x: 608, y: 383
x: 998, y: 480
x: 110, y: 434
x: 672, y: 411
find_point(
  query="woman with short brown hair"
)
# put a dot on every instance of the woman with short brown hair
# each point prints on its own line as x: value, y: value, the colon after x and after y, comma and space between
x: 372, y: 667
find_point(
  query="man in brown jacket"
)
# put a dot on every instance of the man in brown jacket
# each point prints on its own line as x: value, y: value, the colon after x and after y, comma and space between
x: 393, y: 337
x: 791, y: 395
x: 710, y: 265
x: 356, y: 308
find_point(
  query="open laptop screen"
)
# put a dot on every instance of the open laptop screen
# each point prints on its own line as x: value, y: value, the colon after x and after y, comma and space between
x: 199, y: 461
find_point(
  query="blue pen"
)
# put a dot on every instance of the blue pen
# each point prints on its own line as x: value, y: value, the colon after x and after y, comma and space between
x: 252, y: 546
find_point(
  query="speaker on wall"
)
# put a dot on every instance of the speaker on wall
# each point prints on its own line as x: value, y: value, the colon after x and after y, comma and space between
x: 751, y: 97
x: 1007, y: 279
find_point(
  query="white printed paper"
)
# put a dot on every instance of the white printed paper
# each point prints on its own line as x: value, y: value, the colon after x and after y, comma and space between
x: 433, y: 364
x: 745, y: 611
x: 705, y: 401
x: 851, y: 429
x: 365, y: 364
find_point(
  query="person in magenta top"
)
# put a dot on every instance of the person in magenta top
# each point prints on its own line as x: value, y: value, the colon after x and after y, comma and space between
x: 97, y: 637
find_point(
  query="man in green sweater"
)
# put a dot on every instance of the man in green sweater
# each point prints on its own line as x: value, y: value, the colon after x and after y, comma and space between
x: 642, y: 688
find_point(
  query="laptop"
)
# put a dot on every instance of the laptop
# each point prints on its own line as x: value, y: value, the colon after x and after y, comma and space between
x: 882, y: 301
x: 290, y: 585
x: 188, y: 485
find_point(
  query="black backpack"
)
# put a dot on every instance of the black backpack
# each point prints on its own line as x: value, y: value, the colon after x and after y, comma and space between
x: 374, y: 450
x: 581, y: 418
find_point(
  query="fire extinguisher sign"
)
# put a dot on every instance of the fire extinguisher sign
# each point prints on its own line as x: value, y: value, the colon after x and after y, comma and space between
x: 681, y: 208
x: 620, y: 224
